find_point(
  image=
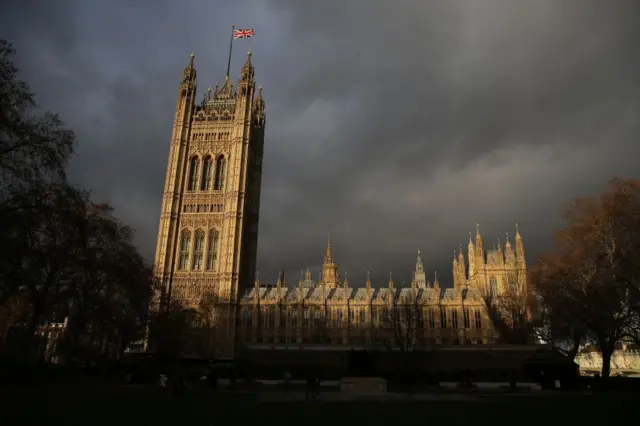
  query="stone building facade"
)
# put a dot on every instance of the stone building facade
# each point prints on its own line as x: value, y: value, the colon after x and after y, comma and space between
x: 208, y: 235
x: 331, y: 311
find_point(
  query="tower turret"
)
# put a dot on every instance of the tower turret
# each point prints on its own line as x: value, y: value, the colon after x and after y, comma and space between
x: 419, y: 276
x: 479, y: 255
x: 471, y: 254
x: 329, y: 268
x: 520, y: 250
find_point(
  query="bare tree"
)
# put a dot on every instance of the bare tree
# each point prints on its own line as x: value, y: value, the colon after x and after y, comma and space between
x: 34, y: 149
x: 401, y: 319
x: 595, y: 275
x: 511, y: 313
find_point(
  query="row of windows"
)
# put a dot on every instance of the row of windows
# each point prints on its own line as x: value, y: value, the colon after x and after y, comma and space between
x: 196, y: 250
x: 211, y: 136
x: 203, y: 180
x: 203, y: 208
x: 335, y: 317
x: 224, y: 117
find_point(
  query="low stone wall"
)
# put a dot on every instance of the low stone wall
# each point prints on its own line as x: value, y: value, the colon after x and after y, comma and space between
x: 363, y: 385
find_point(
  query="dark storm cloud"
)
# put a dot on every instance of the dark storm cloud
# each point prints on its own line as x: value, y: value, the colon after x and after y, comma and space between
x: 392, y: 125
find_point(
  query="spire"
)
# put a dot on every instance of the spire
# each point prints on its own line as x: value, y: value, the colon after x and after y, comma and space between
x: 478, y: 236
x: 282, y: 281
x: 346, y: 280
x: 455, y: 258
x: 419, y: 278
x: 390, y: 279
x: 247, y: 70
x: 190, y: 70
x: 258, y: 109
x: 436, y: 283
x: 461, y: 256
x: 256, y: 283
x: 479, y: 258
x: 508, y: 251
x: 368, y: 282
x: 519, y: 248
x: 307, y: 275
x: 419, y: 266
x: 328, y: 257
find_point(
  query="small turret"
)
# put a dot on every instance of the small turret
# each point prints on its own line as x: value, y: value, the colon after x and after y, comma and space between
x: 479, y: 255
x: 418, y: 275
x: 259, y: 117
x: 509, y: 255
x: 390, y: 283
x: 189, y: 75
x: 247, y: 70
x: 520, y: 249
x: 472, y: 257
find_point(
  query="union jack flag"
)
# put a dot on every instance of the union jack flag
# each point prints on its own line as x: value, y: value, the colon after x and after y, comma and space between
x: 244, y: 33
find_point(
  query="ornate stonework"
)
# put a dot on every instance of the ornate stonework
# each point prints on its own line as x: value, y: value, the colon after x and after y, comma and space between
x: 208, y: 235
x: 330, y: 311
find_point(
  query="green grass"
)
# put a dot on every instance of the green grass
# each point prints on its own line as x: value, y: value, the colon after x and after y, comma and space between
x: 92, y: 404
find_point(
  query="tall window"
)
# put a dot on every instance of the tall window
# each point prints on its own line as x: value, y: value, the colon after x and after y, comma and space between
x: 212, y: 249
x: 432, y: 317
x: 185, y: 239
x: 443, y: 318
x: 466, y: 318
x: 493, y: 286
x: 207, y: 165
x: 454, y: 318
x: 478, y: 319
x: 198, y: 250
x: 220, y: 170
x: 194, y: 165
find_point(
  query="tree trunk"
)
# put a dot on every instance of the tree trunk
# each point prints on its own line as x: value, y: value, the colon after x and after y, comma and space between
x: 607, y: 352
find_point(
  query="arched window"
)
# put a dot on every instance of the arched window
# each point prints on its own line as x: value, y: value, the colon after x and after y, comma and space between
x: 185, y: 239
x: 493, y: 286
x: 512, y: 283
x: 212, y: 249
x: 220, y: 170
x: 207, y: 165
x: 194, y: 165
x: 198, y: 250
x: 478, y: 318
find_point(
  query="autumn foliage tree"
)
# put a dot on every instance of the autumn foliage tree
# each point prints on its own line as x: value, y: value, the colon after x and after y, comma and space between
x: 590, y: 282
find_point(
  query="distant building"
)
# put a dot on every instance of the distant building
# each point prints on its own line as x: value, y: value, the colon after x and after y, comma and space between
x: 625, y: 360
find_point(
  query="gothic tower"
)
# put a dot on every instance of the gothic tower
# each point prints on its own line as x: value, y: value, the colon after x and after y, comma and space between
x: 208, y: 234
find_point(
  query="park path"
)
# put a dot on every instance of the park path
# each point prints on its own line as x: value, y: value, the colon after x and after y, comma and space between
x: 385, y: 397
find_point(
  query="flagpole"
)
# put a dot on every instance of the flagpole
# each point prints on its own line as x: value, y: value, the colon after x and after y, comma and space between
x: 233, y: 29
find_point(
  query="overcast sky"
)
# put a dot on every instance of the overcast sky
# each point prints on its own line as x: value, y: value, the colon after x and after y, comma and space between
x: 393, y: 125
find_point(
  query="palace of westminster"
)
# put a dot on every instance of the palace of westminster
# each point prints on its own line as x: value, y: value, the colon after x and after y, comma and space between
x: 208, y: 237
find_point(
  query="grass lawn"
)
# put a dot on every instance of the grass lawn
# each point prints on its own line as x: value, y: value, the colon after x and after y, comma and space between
x: 117, y: 405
